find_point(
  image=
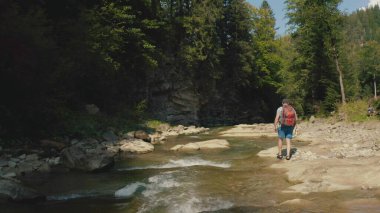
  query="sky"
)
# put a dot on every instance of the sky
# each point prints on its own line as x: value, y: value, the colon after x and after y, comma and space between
x: 278, y: 7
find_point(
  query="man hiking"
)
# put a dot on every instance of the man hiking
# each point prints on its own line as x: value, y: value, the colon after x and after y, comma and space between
x: 284, y: 124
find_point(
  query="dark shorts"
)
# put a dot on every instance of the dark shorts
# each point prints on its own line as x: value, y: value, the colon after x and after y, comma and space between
x: 285, y: 132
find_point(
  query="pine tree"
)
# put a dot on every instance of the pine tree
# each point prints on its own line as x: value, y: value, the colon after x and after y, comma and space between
x: 315, y: 29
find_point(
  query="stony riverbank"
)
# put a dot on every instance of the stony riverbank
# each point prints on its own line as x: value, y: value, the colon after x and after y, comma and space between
x: 340, y: 155
x: 88, y: 155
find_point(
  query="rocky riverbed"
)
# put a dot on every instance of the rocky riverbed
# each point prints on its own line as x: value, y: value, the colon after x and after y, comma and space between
x: 88, y: 155
x: 339, y: 156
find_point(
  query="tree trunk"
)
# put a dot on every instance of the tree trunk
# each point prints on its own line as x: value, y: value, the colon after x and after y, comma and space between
x: 340, y: 77
x: 374, y: 86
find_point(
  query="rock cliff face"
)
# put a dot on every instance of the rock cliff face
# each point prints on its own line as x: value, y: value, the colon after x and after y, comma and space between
x: 174, y: 98
x: 178, y: 97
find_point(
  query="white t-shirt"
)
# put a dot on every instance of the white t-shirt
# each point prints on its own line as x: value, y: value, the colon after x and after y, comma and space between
x: 279, y: 112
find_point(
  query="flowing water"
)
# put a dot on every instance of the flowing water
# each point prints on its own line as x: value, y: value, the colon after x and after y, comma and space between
x: 233, y: 180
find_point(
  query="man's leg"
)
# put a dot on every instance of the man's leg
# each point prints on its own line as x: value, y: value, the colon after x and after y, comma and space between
x: 279, y: 146
x: 287, y: 146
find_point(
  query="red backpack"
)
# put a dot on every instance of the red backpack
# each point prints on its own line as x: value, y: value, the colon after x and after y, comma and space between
x: 288, y: 116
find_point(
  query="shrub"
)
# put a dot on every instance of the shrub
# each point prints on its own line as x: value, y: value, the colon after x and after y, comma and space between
x: 354, y: 111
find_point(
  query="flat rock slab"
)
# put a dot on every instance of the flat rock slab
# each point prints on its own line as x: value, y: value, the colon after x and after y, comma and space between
x: 328, y: 175
x: 203, y: 145
x: 137, y: 146
x: 254, y: 130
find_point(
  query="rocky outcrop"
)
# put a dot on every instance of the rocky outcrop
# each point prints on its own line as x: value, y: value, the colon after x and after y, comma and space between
x: 15, y: 191
x: 203, y: 145
x: 174, y: 98
x: 87, y: 157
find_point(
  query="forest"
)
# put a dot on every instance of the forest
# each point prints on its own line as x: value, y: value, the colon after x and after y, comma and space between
x: 76, y: 68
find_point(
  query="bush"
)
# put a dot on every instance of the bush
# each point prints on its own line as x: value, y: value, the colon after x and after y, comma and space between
x: 84, y: 125
x: 153, y: 124
x: 355, y: 111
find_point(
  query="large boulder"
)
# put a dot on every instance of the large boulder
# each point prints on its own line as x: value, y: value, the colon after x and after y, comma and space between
x: 136, y: 146
x: 89, y: 159
x: 203, y: 145
x: 15, y: 191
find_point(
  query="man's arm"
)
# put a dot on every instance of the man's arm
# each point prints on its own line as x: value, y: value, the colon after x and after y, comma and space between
x: 276, y: 121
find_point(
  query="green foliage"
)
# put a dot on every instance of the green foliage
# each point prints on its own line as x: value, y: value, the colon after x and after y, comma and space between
x: 315, y: 33
x: 80, y: 124
x: 369, y: 59
x: 360, y: 52
x: 58, y: 56
x: 355, y: 111
x: 376, y: 105
x: 153, y: 124
x: 140, y: 109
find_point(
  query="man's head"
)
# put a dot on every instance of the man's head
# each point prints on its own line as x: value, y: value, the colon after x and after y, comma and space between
x: 285, y: 102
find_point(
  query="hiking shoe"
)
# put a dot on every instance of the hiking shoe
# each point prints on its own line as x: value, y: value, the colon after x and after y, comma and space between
x: 279, y: 156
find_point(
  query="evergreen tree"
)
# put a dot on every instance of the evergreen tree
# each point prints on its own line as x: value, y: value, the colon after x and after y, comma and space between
x: 314, y: 29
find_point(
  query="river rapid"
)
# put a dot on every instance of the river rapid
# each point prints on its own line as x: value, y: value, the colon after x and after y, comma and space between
x: 233, y: 180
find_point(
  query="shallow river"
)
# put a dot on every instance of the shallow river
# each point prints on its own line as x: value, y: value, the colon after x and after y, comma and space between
x: 233, y: 180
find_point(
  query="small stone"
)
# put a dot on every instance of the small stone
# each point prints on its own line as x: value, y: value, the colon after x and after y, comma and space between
x: 12, y: 164
x: 74, y: 141
x: 140, y: 134
x: 23, y: 156
x: 92, y: 109
x: 44, y: 167
x: 131, y: 134
x: 136, y: 146
x: 31, y: 157
x: 52, y: 144
x: 110, y: 136
x: 163, y: 127
x: 57, y: 160
x: 127, y: 136
x: 9, y: 175
x: 3, y: 163
x: 16, y: 160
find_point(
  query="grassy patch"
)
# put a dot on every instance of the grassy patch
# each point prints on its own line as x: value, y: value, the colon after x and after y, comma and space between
x: 153, y: 124
x: 355, y: 111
